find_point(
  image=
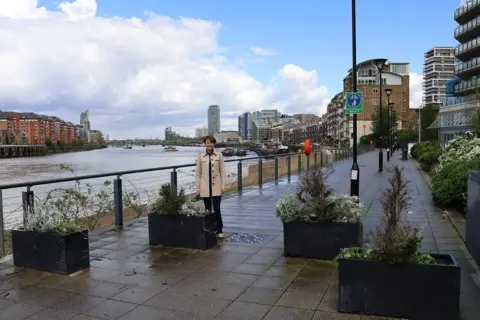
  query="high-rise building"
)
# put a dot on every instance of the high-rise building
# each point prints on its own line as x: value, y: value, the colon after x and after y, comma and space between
x: 464, y: 89
x: 201, y: 132
x: 245, y: 126
x: 168, y: 134
x: 438, y: 69
x: 213, y: 119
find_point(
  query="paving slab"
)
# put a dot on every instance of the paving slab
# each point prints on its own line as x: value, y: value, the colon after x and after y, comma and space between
x: 244, y: 277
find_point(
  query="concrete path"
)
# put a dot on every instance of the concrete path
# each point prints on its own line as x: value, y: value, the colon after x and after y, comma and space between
x: 245, y: 277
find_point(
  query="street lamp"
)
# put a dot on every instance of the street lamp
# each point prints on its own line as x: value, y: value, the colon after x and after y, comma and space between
x: 355, y: 171
x: 390, y: 127
x: 388, y: 91
x: 380, y: 64
x: 394, y: 128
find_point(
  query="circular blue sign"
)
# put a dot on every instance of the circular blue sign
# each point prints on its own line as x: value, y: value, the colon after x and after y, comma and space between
x: 353, y: 100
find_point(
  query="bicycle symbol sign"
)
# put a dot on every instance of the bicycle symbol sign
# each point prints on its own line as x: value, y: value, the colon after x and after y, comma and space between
x: 354, y: 103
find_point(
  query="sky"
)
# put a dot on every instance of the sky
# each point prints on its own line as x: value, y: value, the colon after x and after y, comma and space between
x: 140, y: 66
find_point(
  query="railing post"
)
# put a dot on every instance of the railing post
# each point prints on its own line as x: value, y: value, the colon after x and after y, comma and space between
x: 308, y: 162
x: 276, y: 169
x: 315, y: 162
x: 27, y: 203
x: 240, y: 176
x: 173, y: 181
x: 299, y: 163
x: 260, y: 172
x: 289, y: 168
x: 118, y: 201
x: 2, y: 227
x: 321, y: 157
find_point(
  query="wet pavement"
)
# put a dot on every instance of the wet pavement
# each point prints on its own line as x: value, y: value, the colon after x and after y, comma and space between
x: 244, y: 277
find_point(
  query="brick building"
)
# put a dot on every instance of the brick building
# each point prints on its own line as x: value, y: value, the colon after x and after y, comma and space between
x: 394, y: 76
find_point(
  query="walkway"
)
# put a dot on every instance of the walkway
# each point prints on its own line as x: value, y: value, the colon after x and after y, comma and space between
x: 245, y: 277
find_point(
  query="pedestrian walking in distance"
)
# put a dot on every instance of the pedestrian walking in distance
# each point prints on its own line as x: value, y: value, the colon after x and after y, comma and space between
x: 210, y: 180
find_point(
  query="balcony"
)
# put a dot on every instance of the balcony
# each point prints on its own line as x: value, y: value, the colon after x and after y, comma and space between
x: 467, y: 12
x: 469, y: 50
x: 469, y: 30
x: 468, y: 87
x: 465, y: 70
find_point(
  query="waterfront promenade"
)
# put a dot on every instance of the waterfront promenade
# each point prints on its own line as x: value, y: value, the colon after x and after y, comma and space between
x: 244, y: 277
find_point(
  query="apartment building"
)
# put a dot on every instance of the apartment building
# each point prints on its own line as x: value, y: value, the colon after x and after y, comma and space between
x: 213, y: 119
x: 37, y: 129
x: 201, y: 132
x: 463, y: 91
x: 395, y: 76
x: 438, y: 69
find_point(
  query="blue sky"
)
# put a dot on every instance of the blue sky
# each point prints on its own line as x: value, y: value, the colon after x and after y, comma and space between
x: 310, y: 33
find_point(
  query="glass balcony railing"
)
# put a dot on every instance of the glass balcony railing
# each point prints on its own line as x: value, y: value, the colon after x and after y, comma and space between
x: 467, y: 46
x: 468, y: 26
x: 465, y: 66
x: 468, y: 85
x: 467, y: 7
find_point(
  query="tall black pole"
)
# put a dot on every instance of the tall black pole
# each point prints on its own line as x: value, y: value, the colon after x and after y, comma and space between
x: 355, y: 172
x: 380, y: 153
x: 388, y: 126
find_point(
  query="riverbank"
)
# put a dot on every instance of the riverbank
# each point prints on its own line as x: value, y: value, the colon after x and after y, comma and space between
x: 60, y: 148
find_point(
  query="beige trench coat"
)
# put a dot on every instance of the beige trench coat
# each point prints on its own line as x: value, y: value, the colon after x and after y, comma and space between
x: 218, y: 174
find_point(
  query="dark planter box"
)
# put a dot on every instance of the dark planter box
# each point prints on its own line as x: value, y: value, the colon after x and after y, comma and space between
x: 319, y: 240
x: 411, y: 291
x: 45, y: 251
x: 473, y: 215
x: 173, y: 230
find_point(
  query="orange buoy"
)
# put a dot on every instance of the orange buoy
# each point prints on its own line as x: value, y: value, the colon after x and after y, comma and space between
x: 307, y: 148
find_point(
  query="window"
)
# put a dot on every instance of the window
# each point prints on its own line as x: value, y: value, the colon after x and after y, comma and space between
x: 403, y: 89
x: 374, y: 102
x: 403, y: 99
x: 403, y: 109
x: 375, y: 91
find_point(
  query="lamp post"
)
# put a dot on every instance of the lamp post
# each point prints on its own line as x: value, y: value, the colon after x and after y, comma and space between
x: 390, y: 127
x: 394, y: 127
x: 380, y: 64
x: 355, y: 171
x: 388, y: 91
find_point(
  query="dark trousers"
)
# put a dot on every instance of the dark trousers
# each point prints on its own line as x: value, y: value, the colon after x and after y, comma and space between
x: 216, y: 208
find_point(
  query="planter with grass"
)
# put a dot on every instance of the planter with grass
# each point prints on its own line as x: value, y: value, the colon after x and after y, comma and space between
x: 473, y: 215
x: 51, y: 242
x: 393, y: 279
x: 175, y: 222
x: 317, y: 224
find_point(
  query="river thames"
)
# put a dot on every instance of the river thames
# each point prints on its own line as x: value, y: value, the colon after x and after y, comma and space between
x: 18, y: 170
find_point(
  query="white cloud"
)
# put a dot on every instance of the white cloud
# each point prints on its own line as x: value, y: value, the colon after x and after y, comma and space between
x: 136, y: 75
x: 259, y: 51
x: 416, y: 90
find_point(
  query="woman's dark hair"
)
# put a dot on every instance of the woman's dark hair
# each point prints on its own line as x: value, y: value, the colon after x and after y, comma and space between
x: 209, y: 138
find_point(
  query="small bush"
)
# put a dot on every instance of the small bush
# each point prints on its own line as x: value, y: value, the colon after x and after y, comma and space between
x: 395, y: 240
x: 429, y: 159
x: 314, y: 201
x: 170, y: 202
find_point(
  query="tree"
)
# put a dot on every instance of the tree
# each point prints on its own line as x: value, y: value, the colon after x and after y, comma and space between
x: 378, y: 132
x: 101, y: 139
x: 48, y: 141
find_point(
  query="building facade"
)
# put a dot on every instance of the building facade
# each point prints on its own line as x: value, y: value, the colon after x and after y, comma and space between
x: 395, y: 76
x: 226, y: 136
x: 438, y: 69
x: 31, y: 128
x: 201, y: 132
x: 213, y: 119
x: 245, y: 126
x: 463, y: 91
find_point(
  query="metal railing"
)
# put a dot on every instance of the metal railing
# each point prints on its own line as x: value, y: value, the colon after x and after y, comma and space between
x: 17, y: 200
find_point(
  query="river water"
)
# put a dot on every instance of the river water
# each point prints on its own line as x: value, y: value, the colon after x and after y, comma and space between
x: 17, y: 170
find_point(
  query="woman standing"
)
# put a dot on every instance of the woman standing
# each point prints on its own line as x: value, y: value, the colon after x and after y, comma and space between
x: 210, y: 179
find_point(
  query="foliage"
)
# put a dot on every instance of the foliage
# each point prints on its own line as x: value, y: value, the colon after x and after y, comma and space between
x: 429, y: 113
x: 408, y: 135
x: 65, y: 210
x: 314, y: 201
x: 382, y: 131
x: 168, y: 201
x: 48, y: 142
x: 475, y: 122
x: 395, y: 240
x: 427, y: 153
x: 449, y: 183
